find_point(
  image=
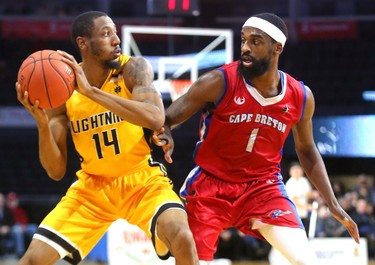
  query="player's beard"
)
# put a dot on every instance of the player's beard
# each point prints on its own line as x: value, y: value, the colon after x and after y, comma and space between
x: 109, y: 64
x: 113, y: 64
x: 258, y: 68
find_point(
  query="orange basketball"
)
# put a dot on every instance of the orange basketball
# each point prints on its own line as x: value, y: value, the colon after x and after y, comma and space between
x: 46, y: 78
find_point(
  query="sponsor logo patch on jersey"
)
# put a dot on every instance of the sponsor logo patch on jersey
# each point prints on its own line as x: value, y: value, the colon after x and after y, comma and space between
x: 278, y: 212
x: 239, y: 100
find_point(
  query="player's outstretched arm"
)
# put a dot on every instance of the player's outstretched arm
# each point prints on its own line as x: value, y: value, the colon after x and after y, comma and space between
x: 206, y: 90
x: 313, y: 164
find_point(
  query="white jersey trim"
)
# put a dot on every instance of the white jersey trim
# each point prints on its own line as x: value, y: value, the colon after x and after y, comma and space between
x: 268, y: 101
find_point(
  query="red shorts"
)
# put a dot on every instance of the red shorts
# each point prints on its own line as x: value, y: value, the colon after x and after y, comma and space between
x: 214, y: 205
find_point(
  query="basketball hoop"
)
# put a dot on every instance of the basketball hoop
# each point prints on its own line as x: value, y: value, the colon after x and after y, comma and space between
x: 178, y: 87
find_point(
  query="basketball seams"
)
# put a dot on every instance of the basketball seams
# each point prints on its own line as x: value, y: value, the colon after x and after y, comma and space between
x: 23, y: 66
x: 47, y: 78
x: 58, y: 72
x: 38, y: 60
x: 29, y: 80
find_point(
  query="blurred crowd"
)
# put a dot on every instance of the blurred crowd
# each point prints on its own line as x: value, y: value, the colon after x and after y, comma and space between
x: 15, y: 230
x: 359, y: 202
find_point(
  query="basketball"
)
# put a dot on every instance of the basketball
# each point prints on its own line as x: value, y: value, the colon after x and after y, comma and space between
x: 46, y: 78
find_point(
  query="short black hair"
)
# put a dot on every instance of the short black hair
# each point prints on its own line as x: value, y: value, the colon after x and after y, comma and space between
x: 275, y: 20
x: 83, y: 25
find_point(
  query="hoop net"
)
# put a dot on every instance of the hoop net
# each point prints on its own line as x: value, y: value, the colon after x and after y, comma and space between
x: 189, y: 50
x: 174, y: 87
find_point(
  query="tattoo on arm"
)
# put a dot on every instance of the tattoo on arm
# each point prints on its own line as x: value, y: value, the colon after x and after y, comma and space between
x: 142, y: 73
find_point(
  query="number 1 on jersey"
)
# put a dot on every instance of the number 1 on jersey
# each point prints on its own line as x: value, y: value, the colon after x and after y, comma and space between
x: 252, y: 138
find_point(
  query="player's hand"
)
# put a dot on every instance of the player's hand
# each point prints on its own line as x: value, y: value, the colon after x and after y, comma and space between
x: 346, y: 221
x: 163, y: 138
x: 35, y: 110
x: 83, y: 85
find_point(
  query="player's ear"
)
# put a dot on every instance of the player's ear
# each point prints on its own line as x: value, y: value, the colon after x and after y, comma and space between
x: 278, y: 47
x: 81, y: 42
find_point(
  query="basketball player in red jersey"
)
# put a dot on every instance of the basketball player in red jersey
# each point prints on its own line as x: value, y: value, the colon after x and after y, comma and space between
x: 111, y: 114
x: 249, y: 107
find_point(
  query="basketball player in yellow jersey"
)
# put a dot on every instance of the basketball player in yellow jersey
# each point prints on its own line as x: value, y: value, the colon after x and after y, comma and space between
x: 111, y: 116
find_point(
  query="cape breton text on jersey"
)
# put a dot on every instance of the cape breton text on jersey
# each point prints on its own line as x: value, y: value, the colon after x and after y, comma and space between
x: 259, y: 118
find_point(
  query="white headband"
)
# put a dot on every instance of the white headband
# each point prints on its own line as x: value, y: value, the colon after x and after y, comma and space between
x: 269, y: 28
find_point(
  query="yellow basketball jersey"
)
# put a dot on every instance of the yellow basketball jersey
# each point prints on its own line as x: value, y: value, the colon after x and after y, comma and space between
x: 107, y: 145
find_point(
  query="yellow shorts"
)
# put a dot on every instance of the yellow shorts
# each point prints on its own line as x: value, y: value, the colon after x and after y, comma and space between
x: 92, y: 203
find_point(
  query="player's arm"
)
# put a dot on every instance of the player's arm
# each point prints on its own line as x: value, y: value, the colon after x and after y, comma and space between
x: 146, y: 106
x: 313, y: 164
x: 53, y: 143
x: 206, y: 90
x: 52, y: 130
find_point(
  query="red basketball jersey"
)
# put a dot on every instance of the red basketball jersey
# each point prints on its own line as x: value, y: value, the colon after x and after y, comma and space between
x: 242, y: 137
